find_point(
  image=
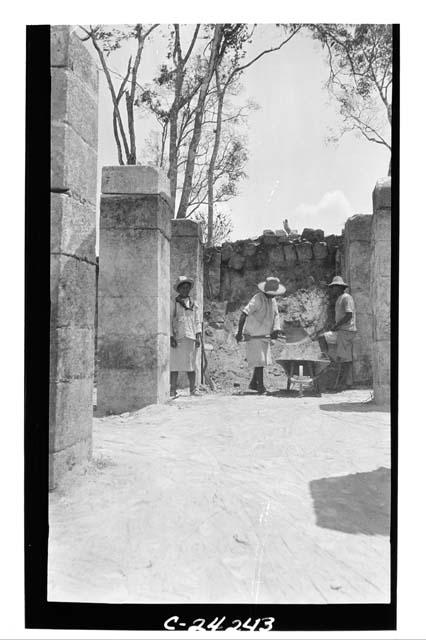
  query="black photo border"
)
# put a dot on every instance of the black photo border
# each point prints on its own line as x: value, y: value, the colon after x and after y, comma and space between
x: 41, y: 614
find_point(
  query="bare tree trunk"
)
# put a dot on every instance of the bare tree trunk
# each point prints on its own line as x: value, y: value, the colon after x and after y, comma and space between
x: 173, y: 155
x: 199, y: 112
x: 117, y: 137
x: 212, y: 164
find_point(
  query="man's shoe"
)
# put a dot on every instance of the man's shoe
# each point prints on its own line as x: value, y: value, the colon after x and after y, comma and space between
x: 253, y: 386
x: 262, y: 390
x: 194, y: 392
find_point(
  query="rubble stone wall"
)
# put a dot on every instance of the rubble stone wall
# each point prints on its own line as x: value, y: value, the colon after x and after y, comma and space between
x: 305, y: 264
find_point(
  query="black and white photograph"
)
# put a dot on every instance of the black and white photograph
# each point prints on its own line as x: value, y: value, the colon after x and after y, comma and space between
x: 222, y: 343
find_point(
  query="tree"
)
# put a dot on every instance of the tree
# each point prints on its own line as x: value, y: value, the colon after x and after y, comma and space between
x: 360, y: 78
x: 222, y: 227
x: 105, y: 41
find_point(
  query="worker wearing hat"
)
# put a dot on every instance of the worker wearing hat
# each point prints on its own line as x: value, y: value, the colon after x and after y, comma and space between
x: 260, y: 321
x: 343, y: 331
x: 185, y: 336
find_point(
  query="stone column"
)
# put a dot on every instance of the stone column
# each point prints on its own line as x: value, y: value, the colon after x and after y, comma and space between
x: 357, y: 264
x: 134, y: 289
x: 186, y: 258
x: 380, y: 289
x: 74, y: 141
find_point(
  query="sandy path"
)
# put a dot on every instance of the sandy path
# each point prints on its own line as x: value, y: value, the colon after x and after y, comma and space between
x: 229, y: 499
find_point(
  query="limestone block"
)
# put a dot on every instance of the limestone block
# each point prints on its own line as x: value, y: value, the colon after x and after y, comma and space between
x: 236, y: 262
x: 381, y: 226
x: 72, y: 353
x: 320, y: 250
x: 60, y: 462
x: 67, y: 50
x: 260, y: 260
x: 357, y: 259
x: 268, y: 232
x: 132, y: 213
x: 72, y: 227
x: 250, y: 248
x: 281, y: 233
x: 313, y: 235
x: 269, y: 240
x: 131, y: 389
x: 276, y: 256
x: 362, y: 300
x: 284, y: 239
x: 227, y: 251
x: 70, y: 412
x: 358, y: 227
x: 73, y: 163
x: 290, y: 253
x: 304, y: 251
x: 135, y: 179
x: 74, y: 103
x: 382, y: 309
x: 381, y: 258
x: 183, y: 227
x: 382, y: 194
x: 381, y: 371
x: 72, y: 292
x: 332, y: 241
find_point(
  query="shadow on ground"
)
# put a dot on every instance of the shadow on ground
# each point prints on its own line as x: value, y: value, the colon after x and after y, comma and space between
x: 354, y: 406
x: 356, y: 503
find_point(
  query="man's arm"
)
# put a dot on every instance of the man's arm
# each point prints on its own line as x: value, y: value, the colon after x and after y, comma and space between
x: 346, y: 318
x: 243, y: 318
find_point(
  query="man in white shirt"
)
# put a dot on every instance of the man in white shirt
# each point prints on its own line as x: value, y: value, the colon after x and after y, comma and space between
x: 185, y: 336
x: 261, y: 322
x: 343, y: 332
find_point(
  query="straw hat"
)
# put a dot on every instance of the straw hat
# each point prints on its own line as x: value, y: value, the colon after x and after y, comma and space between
x: 272, y: 286
x: 182, y: 280
x: 338, y: 280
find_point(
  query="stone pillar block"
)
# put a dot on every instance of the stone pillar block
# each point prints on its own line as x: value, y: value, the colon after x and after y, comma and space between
x: 73, y: 262
x: 134, y: 292
x: 380, y: 289
x: 186, y: 258
x: 357, y: 251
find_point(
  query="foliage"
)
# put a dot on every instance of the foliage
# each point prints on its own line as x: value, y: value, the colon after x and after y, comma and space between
x: 360, y: 78
x: 222, y: 226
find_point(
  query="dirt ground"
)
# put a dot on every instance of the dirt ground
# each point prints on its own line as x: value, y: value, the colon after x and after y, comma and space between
x: 229, y: 498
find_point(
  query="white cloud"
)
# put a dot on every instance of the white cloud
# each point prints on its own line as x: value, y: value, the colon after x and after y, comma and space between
x: 329, y: 214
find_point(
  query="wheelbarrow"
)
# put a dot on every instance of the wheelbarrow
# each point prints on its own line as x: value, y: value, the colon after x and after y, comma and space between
x: 302, y: 360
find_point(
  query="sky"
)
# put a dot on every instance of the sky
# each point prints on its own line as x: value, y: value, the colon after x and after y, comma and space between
x: 292, y: 172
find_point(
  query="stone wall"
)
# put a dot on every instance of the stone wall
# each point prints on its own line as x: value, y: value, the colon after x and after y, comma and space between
x: 381, y: 289
x: 357, y: 265
x: 134, y: 289
x: 74, y: 139
x: 305, y: 264
x: 186, y: 258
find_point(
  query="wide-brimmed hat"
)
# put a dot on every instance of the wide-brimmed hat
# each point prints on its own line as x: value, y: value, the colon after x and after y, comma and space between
x: 338, y: 280
x: 182, y: 280
x: 272, y: 286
